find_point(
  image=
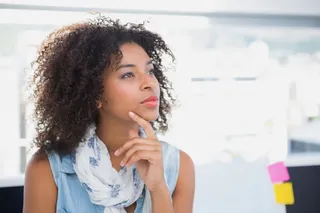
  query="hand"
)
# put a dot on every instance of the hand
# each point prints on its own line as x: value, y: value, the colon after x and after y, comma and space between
x: 146, y: 153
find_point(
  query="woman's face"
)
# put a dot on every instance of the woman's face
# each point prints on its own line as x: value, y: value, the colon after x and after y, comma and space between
x: 132, y: 86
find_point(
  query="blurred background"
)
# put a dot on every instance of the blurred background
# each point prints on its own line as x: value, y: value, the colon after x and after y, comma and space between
x: 247, y: 79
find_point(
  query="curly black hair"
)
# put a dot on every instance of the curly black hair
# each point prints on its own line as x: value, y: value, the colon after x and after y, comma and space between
x: 68, y: 78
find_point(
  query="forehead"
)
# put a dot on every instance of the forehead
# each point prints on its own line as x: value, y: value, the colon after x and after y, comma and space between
x: 133, y: 53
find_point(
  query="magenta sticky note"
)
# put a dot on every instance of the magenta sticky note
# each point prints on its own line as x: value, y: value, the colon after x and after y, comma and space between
x: 278, y: 172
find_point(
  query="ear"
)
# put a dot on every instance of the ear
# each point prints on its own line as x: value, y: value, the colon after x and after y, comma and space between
x: 99, y: 104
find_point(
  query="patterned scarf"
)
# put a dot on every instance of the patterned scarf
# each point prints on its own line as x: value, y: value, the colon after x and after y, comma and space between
x: 105, y: 186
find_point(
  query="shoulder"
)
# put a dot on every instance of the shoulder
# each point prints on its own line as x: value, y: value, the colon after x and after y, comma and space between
x: 39, y: 186
x: 38, y: 164
x: 183, y: 195
x: 38, y: 169
x: 186, y: 162
x: 186, y: 177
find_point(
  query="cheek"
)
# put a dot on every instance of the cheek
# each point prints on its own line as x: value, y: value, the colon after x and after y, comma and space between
x: 121, y: 95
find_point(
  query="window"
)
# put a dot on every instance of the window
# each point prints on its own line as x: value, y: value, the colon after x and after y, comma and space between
x: 248, y: 95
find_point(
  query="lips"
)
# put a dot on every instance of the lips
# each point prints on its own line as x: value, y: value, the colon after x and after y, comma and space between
x: 151, y: 101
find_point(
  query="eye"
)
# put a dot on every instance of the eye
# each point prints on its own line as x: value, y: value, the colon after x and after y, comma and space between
x: 127, y: 75
x: 151, y: 72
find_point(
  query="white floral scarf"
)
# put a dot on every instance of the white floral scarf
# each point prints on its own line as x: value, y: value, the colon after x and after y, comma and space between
x: 105, y: 186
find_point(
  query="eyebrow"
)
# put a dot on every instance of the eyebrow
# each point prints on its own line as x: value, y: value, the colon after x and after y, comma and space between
x: 132, y: 65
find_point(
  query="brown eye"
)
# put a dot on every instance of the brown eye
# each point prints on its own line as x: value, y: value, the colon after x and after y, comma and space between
x: 127, y: 75
x: 151, y: 72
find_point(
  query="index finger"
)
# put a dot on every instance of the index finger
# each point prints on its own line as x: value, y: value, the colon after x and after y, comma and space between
x: 144, y: 124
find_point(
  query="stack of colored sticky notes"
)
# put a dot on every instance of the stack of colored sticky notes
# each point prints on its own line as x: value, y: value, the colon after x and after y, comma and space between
x: 283, y: 190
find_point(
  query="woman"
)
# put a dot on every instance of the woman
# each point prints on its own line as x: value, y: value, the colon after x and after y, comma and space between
x: 100, y: 94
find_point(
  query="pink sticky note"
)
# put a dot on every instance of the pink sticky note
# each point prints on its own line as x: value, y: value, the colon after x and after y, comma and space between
x: 278, y: 172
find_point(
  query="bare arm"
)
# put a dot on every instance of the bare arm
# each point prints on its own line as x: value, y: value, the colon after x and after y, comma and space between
x: 182, y: 198
x: 40, y: 191
x: 183, y: 195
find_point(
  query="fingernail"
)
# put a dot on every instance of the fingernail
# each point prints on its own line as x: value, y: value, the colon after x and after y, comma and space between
x: 131, y: 114
x: 121, y: 163
x: 116, y: 153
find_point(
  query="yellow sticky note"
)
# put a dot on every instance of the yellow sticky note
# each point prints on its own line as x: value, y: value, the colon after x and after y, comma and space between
x: 284, y: 193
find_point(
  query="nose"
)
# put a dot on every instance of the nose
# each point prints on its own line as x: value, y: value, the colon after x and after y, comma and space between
x: 148, y: 82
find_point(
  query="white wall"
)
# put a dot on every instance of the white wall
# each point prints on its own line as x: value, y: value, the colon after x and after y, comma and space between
x: 9, y: 117
x: 268, y: 6
x: 311, y: 7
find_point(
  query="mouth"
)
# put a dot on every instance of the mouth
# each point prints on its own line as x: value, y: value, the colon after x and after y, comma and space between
x: 151, y: 101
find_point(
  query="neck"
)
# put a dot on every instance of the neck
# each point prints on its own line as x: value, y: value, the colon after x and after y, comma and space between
x: 115, y: 132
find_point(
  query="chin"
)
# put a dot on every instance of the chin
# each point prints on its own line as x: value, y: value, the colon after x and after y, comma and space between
x: 149, y: 116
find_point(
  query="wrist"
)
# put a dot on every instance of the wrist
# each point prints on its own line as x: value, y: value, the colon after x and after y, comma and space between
x: 161, y: 199
x: 160, y: 188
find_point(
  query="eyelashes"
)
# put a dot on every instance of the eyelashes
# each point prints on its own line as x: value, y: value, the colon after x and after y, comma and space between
x: 152, y: 71
x: 127, y: 75
x: 130, y: 74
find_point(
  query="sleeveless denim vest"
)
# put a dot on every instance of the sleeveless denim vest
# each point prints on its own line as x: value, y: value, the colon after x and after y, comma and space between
x: 73, y: 198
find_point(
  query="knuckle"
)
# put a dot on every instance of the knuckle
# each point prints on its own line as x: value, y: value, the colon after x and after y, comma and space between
x: 139, y: 155
x: 127, y: 155
x: 135, y: 140
x: 159, y: 147
x: 134, y: 149
x: 125, y: 146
